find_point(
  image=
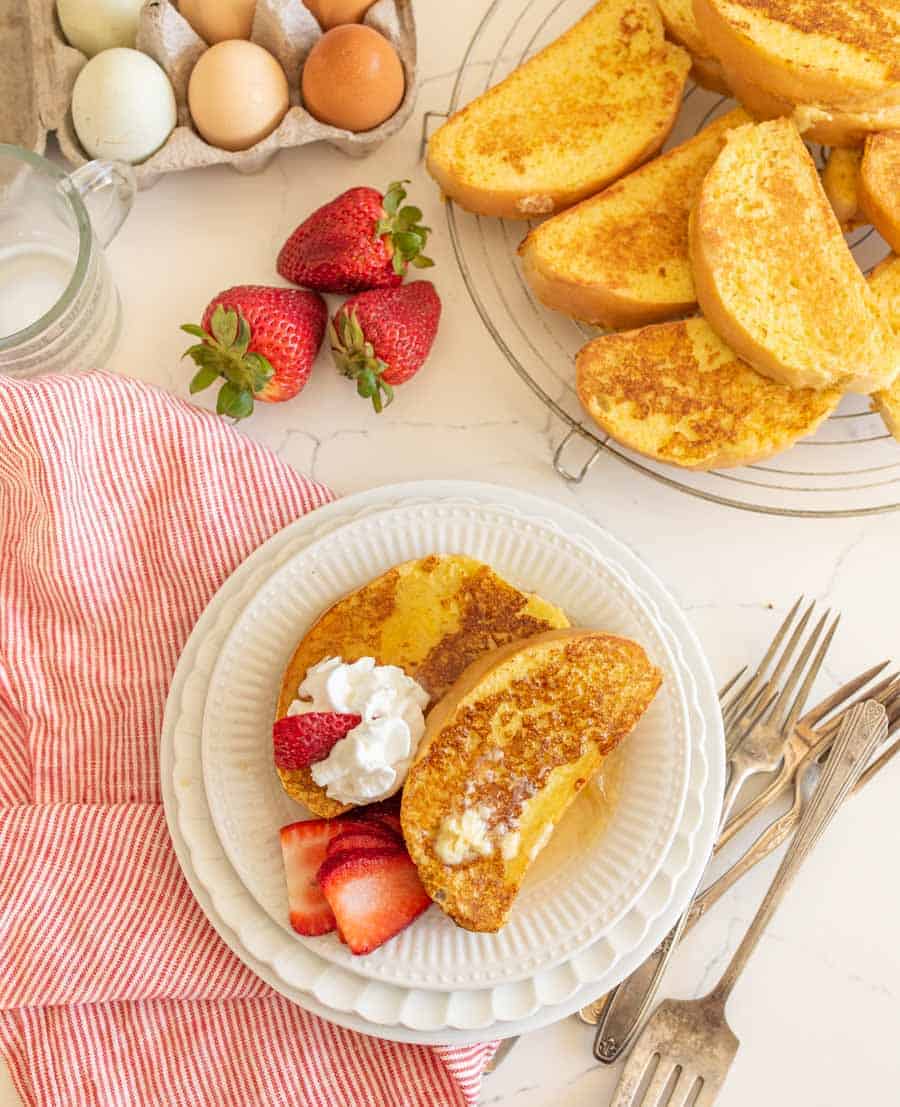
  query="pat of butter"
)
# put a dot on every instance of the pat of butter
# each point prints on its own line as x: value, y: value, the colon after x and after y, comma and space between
x: 509, y: 844
x: 464, y: 837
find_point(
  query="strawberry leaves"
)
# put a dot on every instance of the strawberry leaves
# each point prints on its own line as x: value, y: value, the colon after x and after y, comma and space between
x: 222, y: 353
x: 401, y: 225
x: 355, y: 358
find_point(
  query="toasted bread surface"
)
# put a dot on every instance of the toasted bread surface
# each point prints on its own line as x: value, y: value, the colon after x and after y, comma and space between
x: 842, y: 54
x: 879, y: 185
x: 432, y: 617
x: 620, y: 259
x: 840, y: 179
x: 885, y: 283
x: 579, y: 114
x: 773, y: 273
x: 514, y: 740
x: 675, y: 392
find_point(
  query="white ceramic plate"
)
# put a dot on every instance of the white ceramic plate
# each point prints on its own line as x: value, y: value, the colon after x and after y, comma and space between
x: 594, y: 867
x: 413, y: 1015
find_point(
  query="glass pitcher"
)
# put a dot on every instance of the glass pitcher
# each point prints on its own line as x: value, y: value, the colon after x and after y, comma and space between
x: 59, y: 308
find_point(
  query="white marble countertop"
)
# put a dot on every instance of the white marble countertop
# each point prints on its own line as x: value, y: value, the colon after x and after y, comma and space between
x: 819, y: 1007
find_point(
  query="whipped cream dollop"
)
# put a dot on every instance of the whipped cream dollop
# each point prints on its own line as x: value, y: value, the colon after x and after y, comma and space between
x: 372, y: 761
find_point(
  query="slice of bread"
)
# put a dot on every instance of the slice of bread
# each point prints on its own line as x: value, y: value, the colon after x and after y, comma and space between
x: 505, y: 753
x: 580, y: 114
x: 773, y: 273
x: 433, y: 617
x: 675, y: 392
x: 840, y: 179
x: 681, y: 27
x: 620, y: 259
x: 884, y: 281
x: 842, y: 54
x: 879, y: 185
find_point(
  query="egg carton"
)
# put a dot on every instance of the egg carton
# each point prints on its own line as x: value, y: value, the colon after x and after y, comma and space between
x: 38, y: 70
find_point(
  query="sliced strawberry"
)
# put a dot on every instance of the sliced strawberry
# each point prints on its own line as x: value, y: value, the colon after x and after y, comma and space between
x: 364, y: 840
x: 357, y: 843
x: 374, y: 894
x: 301, y: 740
x: 385, y: 819
x: 355, y: 824
x: 304, y: 846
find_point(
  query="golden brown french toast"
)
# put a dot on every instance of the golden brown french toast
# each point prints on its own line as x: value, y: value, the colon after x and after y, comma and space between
x: 843, y: 53
x: 773, y: 273
x: 504, y: 754
x: 879, y: 185
x: 675, y: 392
x: 884, y: 281
x: 581, y: 113
x: 840, y: 179
x: 432, y: 617
x: 620, y: 258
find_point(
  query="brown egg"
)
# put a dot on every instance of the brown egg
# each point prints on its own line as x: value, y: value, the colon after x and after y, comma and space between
x: 237, y: 94
x: 218, y: 20
x: 352, y: 79
x: 332, y: 13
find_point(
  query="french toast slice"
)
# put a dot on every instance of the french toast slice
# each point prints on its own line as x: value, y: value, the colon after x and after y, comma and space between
x: 879, y: 185
x: 773, y: 273
x: 433, y: 617
x: 681, y: 27
x: 885, y: 283
x: 504, y: 754
x: 578, y: 115
x: 620, y: 259
x: 844, y: 53
x: 675, y: 392
x: 840, y: 179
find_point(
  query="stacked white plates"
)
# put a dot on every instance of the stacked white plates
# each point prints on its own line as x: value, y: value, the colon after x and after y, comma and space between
x: 613, y: 878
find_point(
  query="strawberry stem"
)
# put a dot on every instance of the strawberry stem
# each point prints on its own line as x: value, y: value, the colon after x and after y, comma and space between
x: 406, y: 235
x: 355, y: 358
x: 223, y: 354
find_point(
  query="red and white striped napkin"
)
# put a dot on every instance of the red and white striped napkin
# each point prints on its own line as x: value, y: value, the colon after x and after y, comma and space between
x: 122, y: 510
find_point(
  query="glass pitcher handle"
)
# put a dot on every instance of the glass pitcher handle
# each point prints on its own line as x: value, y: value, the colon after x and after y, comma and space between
x: 108, y: 189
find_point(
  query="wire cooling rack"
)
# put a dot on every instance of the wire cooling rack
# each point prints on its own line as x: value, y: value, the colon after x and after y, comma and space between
x: 850, y: 467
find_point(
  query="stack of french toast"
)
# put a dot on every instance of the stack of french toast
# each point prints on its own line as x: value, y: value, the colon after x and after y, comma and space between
x: 738, y: 317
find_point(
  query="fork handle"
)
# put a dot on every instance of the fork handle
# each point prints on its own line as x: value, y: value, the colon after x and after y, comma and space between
x: 864, y: 728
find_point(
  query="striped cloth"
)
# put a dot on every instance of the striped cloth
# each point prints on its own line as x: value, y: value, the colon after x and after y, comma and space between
x: 122, y: 510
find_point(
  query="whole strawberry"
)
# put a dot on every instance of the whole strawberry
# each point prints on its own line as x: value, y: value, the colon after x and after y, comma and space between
x: 381, y: 338
x: 360, y: 240
x: 260, y: 341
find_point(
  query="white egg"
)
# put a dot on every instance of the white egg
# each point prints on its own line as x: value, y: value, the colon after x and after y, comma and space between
x: 94, y: 25
x: 123, y: 106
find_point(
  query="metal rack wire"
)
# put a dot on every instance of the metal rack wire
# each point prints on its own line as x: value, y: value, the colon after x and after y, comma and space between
x: 851, y: 467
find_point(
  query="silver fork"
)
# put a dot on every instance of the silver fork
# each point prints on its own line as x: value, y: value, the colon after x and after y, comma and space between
x: 778, y: 831
x: 689, y: 1042
x: 761, y: 713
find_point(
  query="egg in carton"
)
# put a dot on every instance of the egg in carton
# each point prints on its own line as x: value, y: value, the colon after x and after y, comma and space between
x: 286, y: 28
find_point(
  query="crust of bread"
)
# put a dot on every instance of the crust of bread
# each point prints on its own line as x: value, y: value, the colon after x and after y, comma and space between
x: 879, y: 186
x: 831, y: 126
